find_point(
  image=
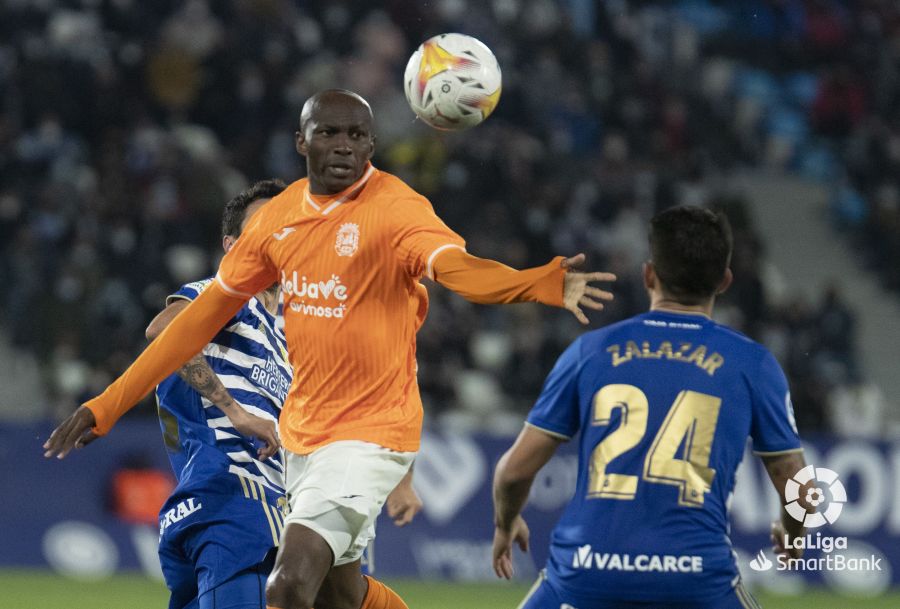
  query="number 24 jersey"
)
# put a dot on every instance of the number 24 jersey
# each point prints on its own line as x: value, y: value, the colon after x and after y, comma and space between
x: 665, y: 403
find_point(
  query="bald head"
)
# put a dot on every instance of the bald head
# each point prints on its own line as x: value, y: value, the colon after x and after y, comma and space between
x: 334, y: 99
x: 337, y: 139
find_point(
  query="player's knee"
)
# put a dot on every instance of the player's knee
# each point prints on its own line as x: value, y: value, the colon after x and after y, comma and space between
x: 289, y: 590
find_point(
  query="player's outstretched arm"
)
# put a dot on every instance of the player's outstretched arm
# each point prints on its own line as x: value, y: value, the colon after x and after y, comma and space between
x: 512, y: 482
x: 403, y: 503
x: 198, y: 374
x: 182, y: 339
x: 489, y: 282
x: 780, y: 469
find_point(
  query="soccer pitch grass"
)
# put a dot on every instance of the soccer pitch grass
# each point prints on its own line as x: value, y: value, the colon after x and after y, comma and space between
x: 42, y: 590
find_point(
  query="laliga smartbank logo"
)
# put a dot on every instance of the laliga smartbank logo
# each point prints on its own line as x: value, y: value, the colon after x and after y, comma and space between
x: 761, y: 562
x: 822, y: 489
x: 825, y: 479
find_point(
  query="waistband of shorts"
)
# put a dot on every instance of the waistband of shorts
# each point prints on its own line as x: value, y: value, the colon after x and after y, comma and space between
x: 226, y: 484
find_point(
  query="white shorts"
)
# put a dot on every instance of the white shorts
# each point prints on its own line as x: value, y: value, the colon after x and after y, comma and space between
x: 338, y: 491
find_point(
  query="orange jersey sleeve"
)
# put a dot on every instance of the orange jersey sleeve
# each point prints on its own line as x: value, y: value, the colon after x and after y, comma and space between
x: 490, y: 282
x: 419, y: 235
x: 247, y: 269
x: 182, y: 339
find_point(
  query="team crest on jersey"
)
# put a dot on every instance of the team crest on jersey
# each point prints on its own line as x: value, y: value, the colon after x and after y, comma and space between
x: 347, y: 241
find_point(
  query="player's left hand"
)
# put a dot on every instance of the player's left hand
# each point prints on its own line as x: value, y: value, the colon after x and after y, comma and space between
x: 576, y: 290
x: 503, y: 541
x: 259, y: 428
x: 74, y: 432
x: 403, y: 503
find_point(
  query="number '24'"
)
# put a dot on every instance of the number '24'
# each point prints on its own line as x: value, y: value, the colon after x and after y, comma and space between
x: 691, y: 418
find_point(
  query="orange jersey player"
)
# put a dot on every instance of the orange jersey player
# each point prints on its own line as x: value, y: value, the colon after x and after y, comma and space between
x: 348, y: 246
x: 348, y: 266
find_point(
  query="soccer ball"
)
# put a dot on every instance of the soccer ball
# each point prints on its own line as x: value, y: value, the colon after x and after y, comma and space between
x: 452, y: 82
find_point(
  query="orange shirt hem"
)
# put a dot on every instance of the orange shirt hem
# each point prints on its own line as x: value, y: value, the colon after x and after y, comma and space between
x: 305, y: 448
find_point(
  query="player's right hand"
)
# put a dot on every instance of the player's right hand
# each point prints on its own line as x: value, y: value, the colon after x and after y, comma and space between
x: 778, y: 534
x: 503, y: 541
x: 74, y: 432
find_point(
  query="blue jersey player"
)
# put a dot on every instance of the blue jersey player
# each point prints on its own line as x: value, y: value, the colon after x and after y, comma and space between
x: 218, y: 415
x: 665, y: 402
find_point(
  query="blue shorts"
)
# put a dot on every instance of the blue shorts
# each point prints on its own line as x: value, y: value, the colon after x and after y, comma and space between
x: 244, y: 590
x: 210, y: 539
x: 210, y: 535
x: 543, y: 595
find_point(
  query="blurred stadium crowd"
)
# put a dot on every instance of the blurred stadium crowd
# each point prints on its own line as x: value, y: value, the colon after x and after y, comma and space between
x: 126, y: 125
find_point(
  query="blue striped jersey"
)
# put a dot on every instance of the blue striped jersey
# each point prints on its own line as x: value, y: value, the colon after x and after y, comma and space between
x: 249, y: 355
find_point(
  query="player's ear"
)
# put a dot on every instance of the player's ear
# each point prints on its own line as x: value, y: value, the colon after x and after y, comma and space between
x: 726, y: 281
x: 228, y: 242
x: 372, y: 141
x: 649, y: 275
x: 300, y: 143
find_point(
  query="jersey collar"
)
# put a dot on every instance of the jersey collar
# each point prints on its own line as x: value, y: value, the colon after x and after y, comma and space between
x: 338, y: 199
x: 687, y: 314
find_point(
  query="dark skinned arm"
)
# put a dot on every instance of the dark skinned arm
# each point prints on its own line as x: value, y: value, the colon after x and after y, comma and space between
x: 512, y: 483
x: 781, y: 468
x: 403, y: 503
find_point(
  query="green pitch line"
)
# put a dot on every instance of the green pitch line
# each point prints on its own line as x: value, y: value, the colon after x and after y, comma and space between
x: 440, y: 595
x: 42, y: 590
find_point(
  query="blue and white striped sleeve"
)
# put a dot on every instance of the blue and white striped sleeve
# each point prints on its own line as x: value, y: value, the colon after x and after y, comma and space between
x: 188, y: 291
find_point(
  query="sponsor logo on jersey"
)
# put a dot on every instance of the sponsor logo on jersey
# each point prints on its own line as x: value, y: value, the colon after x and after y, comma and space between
x: 178, y: 513
x: 316, y: 298
x: 347, y: 240
x: 302, y: 287
x: 271, y: 378
x: 585, y: 558
x: 287, y: 230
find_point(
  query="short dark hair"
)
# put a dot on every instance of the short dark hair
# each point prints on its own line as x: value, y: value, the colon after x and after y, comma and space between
x: 236, y: 209
x: 690, y: 248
